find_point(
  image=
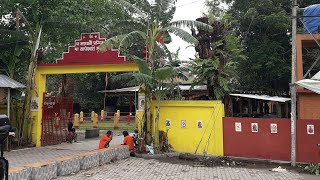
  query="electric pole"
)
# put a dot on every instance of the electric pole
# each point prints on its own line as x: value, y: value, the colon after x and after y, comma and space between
x: 293, y: 86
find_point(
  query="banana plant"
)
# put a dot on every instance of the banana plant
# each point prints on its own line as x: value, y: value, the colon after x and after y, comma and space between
x: 10, y: 61
x: 151, y: 27
x: 218, y: 69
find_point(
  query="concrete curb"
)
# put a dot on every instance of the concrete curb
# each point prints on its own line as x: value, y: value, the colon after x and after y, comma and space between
x: 43, y: 170
x: 69, y: 164
x: 89, y: 160
x: 16, y: 173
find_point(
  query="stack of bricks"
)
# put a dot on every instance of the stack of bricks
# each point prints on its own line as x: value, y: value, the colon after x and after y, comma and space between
x: 68, y: 165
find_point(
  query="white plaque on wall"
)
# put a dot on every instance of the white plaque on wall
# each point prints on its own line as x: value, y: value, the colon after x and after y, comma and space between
x: 254, y: 127
x: 183, y: 124
x: 168, y: 122
x: 237, y: 126
x: 199, y: 124
x: 34, y: 104
x: 310, y: 129
x: 273, y: 128
x: 141, y: 102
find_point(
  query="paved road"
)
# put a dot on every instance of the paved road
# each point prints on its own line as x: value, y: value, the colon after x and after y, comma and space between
x: 136, y: 168
x: 32, y: 155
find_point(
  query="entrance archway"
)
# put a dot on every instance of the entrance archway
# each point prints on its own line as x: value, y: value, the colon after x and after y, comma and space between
x: 83, y: 57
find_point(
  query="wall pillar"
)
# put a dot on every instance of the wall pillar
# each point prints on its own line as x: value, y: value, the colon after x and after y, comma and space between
x: 40, y: 81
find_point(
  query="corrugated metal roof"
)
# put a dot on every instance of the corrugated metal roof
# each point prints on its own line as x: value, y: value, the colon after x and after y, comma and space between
x: 128, y: 89
x: 312, y: 84
x: 195, y: 88
x: 316, y: 76
x: 262, y: 97
x: 133, y: 89
x: 6, y: 82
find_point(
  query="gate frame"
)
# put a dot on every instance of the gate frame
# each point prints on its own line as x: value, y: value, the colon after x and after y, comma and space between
x: 104, y: 62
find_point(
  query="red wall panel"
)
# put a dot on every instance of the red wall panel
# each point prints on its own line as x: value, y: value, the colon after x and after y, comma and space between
x: 264, y: 145
x: 307, y: 144
x: 261, y: 144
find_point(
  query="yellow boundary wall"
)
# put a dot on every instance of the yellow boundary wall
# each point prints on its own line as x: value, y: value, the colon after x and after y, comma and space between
x: 40, y: 80
x: 187, y: 139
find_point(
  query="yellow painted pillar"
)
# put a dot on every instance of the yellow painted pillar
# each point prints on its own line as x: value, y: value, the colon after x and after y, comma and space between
x: 81, y: 117
x: 217, y: 136
x: 76, y: 121
x: 139, y: 121
x: 36, y: 114
x: 102, y: 115
x: 95, y: 121
x: 92, y: 116
x: 116, y: 120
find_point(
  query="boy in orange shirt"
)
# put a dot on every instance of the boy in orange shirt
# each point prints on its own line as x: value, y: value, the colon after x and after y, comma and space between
x: 128, y: 140
x: 105, y: 140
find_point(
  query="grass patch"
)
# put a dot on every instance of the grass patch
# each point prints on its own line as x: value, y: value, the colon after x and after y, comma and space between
x: 107, y: 125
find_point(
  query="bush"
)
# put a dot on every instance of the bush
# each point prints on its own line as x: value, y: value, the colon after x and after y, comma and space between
x: 313, y: 169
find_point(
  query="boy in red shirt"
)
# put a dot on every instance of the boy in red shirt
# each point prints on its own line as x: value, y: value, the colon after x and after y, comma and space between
x: 105, y: 140
x: 128, y: 140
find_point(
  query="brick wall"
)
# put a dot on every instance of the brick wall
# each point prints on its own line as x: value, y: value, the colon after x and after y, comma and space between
x: 308, y: 105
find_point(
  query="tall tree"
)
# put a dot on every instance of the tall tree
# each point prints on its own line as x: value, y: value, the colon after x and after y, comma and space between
x: 218, y: 55
x: 61, y: 23
x: 263, y: 26
x: 152, y: 28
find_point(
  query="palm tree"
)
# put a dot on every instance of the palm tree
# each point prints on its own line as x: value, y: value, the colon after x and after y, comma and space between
x: 152, y: 26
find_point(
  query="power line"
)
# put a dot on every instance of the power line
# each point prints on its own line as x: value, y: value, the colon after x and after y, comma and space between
x: 188, y: 3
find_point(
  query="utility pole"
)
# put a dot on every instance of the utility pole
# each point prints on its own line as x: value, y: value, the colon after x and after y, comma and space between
x: 293, y: 86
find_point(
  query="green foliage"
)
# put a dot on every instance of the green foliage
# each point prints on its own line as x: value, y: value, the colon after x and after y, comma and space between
x: 155, y: 20
x: 10, y: 60
x: 262, y: 26
x: 219, y: 69
x: 63, y: 21
x: 164, y: 73
x: 184, y: 35
x: 154, y: 83
x: 313, y: 169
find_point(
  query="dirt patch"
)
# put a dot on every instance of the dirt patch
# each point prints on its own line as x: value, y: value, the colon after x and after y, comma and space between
x: 205, y: 161
x: 191, y: 160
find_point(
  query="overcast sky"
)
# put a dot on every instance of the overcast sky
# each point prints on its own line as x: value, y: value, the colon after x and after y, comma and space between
x: 186, y: 10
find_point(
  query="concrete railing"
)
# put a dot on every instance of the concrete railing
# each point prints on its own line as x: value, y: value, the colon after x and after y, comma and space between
x: 67, y: 165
